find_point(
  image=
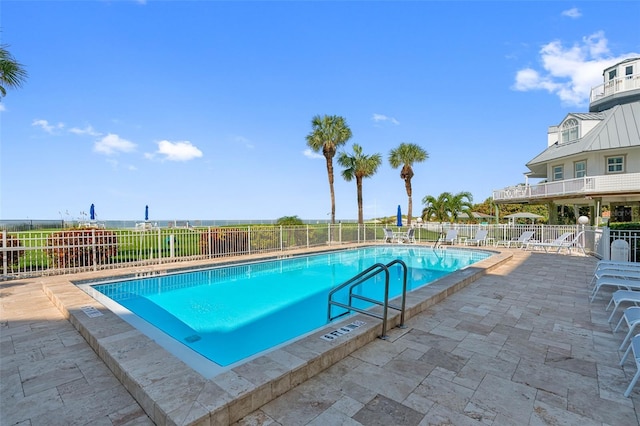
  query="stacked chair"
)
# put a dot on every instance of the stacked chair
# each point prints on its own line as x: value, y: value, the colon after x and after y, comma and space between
x: 624, y: 279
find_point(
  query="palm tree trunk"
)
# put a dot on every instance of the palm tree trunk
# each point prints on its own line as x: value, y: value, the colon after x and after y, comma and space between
x: 359, y: 186
x: 333, y: 196
x: 407, y: 184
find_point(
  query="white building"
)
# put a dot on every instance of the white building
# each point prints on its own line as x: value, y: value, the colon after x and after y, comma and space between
x: 592, y: 159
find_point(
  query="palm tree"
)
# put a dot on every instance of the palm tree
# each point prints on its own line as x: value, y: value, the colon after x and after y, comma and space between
x: 329, y: 132
x: 436, y: 207
x: 405, y: 155
x: 462, y: 202
x: 12, y: 74
x: 447, y: 207
x: 359, y: 166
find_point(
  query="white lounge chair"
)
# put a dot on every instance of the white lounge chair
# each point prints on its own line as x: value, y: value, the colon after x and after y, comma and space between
x: 623, y: 296
x: 618, y: 283
x: 450, y: 238
x: 479, y: 239
x: 615, y: 273
x: 521, y: 241
x: 614, y: 268
x: 635, y: 348
x: 558, y: 243
x: 388, y: 235
x: 632, y: 317
x: 615, y: 264
x: 408, y: 237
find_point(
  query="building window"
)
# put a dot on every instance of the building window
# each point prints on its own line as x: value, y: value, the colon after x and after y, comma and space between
x: 622, y: 214
x: 615, y: 164
x: 570, y: 130
x: 613, y: 74
x: 628, y: 71
x: 580, y: 169
x: 558, y: 172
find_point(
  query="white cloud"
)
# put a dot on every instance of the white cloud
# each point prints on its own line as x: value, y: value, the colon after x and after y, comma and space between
x: 2, y: 107
x: 176, y: 151
x: 574, y: 13
x: 570, y: 72
x: 246, y: 142
x: 88, y: 130
x: 113, y: 144
x: 49, y: 128
x: 311, y: 154
x: 380, y: 117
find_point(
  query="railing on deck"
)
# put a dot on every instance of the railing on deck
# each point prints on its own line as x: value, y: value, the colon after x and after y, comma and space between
x: 31, y: 253
x: 618, y: 183
x: 614, y: 86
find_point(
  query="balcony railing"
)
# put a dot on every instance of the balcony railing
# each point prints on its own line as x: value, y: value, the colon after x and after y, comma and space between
x: 612, y: 87
x: 588, y: 185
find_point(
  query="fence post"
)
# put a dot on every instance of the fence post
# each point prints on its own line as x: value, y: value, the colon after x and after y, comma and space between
x: 5, y: 252
x: 307, y: 235
x: 159, y: 246
x: 93, y: 249
x: 281, y: 238
x: 606, y: 236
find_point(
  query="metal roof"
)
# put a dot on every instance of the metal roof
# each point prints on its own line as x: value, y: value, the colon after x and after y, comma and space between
x: 619, y: 128
x: 588, y: 115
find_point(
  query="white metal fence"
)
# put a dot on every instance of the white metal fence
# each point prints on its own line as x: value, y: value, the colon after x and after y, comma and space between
x: 30, y: 253
x: 578, y: 186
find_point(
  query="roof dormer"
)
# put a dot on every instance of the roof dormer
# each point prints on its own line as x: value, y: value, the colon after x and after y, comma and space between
x: 569, y: 130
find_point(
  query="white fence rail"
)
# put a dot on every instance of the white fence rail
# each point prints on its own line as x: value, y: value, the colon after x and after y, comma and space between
x: 53, y: 252
x: 581, y: 186
x: 612, y: 87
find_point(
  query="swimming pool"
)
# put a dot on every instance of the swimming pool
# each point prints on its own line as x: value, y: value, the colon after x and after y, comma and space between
x: 228, y: 314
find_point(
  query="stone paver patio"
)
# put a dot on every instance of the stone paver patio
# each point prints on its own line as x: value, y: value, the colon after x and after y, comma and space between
x: 522, y: 345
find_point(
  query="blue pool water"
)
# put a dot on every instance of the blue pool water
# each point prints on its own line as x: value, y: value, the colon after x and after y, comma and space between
x: 230, y: 313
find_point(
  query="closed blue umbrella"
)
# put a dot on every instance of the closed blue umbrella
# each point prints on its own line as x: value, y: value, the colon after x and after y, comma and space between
x: 92, y: 212
x: 146, y: 213
x: 399, y: 218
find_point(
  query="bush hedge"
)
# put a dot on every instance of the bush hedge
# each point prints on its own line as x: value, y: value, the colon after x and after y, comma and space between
x: 13, y: 257
x: 75, y: 248
x: 625, y: 226
x: 221, y: 241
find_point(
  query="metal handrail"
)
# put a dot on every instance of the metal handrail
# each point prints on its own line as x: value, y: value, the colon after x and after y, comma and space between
x: 360, y: 278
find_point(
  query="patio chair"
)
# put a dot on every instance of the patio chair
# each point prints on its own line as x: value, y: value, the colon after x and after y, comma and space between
x: 450, y: 238
x: 559, y: 243
x: 622, y: 296
x: 631, y: 316
x: 635, y: 347
x: 480, y: 238
x: 521, y: 241
x: 618, y: 283
x: 408, y: 237
x: 388, y: 235
x: 614, y: 269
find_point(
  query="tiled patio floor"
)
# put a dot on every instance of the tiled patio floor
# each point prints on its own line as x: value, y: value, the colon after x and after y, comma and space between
x: 520, y: 346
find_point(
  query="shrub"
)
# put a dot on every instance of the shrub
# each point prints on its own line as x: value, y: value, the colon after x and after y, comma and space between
x: 289, y: 220
x: 75, y: 248
x: 13, y: 257
x: 625, y: 226
x: 221, y: 241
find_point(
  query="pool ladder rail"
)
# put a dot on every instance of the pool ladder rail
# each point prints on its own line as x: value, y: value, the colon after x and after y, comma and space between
x: 359, y: 279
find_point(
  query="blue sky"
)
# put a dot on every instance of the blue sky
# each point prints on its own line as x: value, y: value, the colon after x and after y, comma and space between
x: 200, y: 109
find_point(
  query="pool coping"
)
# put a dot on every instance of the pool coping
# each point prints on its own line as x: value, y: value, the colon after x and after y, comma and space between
x: 172, y: 393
